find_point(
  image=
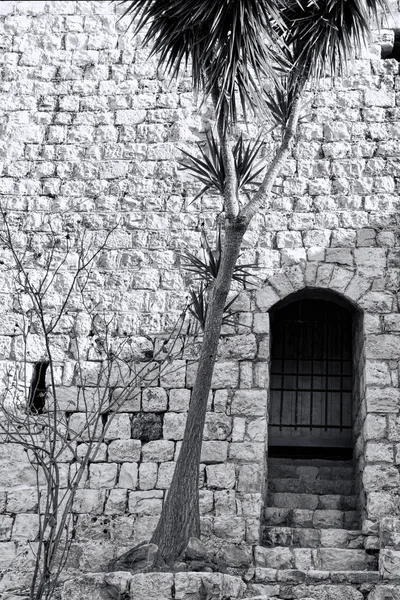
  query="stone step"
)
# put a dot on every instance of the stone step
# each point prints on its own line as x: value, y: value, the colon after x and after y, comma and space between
x: 298, y: 537
x: 337, y: 585
x: 308, y: 472
x: 311, y: 519
x: 313, y: 462
x: 322, y: 559
x: 312, y: 486
x: 311, y: 501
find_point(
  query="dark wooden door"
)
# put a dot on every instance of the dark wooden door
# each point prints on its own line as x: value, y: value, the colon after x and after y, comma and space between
x: 311, y: 375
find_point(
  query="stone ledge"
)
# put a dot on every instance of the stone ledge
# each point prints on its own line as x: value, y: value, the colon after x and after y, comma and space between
x: 154, y: 586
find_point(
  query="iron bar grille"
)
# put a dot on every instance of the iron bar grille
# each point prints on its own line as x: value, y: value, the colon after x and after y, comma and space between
x: 311, y: 370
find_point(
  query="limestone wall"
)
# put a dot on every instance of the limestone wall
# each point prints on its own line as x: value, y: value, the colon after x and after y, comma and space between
x: 90, y: 136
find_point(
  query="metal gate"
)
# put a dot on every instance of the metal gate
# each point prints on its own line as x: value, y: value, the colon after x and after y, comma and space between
x: 311, y: 375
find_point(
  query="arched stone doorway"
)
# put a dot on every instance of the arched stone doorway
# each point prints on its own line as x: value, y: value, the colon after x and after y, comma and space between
x: 314, y: 497
x: 311, y: 375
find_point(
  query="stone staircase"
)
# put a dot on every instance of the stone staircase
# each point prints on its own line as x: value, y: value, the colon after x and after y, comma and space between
x: 311, y: 522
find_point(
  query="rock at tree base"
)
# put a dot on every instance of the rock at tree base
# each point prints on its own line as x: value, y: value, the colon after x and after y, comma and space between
x: 195, y: 550
x: 142, y: 558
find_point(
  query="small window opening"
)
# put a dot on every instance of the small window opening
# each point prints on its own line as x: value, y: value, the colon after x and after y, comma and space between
x: 37, y: 390
x: 391, y: 49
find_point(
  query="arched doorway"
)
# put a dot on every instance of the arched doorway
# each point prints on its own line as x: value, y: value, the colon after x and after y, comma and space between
x: 315, y: 410
x: 311, y: 376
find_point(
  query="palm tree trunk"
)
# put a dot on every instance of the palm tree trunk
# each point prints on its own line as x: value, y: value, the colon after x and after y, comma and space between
x: 180, y: 518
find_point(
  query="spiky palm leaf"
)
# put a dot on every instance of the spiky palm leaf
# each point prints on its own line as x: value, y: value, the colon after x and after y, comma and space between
x: 199, y: 304
x: 207, y: 270
x: 324, y: 34
x: 209, y: 167
x: 224, y: 41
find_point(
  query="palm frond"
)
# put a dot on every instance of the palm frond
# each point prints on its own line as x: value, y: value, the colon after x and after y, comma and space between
x: 208, y: 168
x: 228, y: 44
x: 324, y: 34
x: 206, y: 270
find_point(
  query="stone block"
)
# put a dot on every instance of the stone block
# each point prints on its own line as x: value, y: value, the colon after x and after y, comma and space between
x: 389, y: 563
x: 389, y: 532
x: 128, y: 476
x: 394, y: 428
x: 148, y: 475
x: 374, y: 427
x: 217, y: 426
x: 229, y: 528
x: 266, y: 298
x: 379, y: 505
x: 210, y: 585
x: 256, y: 430
x: 6, y: 523
x: 179, y: 399
x: 116, y: 502
x: 173, y: 375
x: 246, y: 451
x: 154, y: 399
x: 214, y: 451
x: 165, y: 474
x: 124, y: 451
x: 377, y: 302
x: 158, y: 451
x: 238, y: 346
x: 383, y: 400
x: 145, y: 502
x: 226, y: 375
x: 384, y: 346
x: 21, y: 500
x: 249, y: 403
x: 250, y: 477
x: 147, y: 427
x: 274, y: 558
x: 102, y: 475
x: 151, y: 586
x: 391, y: 322
x: 130, y: 117
x: 385, y: 592
x: 377, y: 373
x: 221, y: 476
x: 119, y: 427
x: 379, y: 452
x: 174, y: 426
x: 89, y: 501
x: 126, y: 400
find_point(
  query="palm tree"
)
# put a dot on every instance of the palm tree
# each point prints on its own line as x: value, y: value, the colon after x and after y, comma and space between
x: 231, y: 48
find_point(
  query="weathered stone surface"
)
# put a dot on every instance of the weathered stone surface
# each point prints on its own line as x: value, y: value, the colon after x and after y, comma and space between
x: 124, y: 451
x: 208, y: 585
x: 383, y: 400
x: 96, y: 586
x: 389, y: 563
x: 141, y: 558
x: 147, y: 427
x: 327, y: 592
x: 389, y: 532
x: 214, y: 451
x: 249, y: 403
x: 380, y: 477
x: 385, y: 592
x: 151, y: 586
x: 154, y: 399
x: 384, y: 346
x: 158, y: 451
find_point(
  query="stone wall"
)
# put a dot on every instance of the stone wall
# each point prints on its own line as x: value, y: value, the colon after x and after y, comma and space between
x: 91, y: 133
